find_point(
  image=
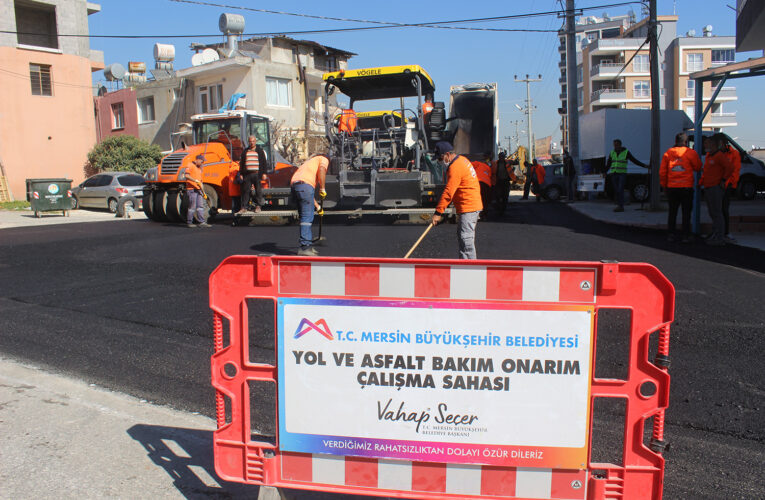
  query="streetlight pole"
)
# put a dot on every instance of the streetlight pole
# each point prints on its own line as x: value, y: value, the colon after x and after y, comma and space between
x: 529, y: 109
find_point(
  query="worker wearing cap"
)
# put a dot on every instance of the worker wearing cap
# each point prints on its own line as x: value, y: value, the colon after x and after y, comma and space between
x: 718, y: 169
x: 616, y: 165
x: 730, y: 187
x: 463, y: 190
x: 312, y: 172
x: 195, y: 193
x: 485, y: 175
x: 676, y: 177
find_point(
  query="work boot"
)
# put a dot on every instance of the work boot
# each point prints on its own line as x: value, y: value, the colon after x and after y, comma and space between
x: 257, y: 209
x: 308, y: 252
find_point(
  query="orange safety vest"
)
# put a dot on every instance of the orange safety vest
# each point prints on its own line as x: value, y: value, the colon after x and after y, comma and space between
x: 309, y: 170
x: 348, y: 121
x: 462, y: 188
x: 677, y: 167
x: 539, y: 171
x: 483, y: 171
x: 427, y: 107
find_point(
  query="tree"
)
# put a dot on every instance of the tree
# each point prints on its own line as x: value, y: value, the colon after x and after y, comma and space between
x: 122, y: 153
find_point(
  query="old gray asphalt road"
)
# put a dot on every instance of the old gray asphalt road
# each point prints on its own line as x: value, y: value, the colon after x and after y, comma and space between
x: 124, y: 305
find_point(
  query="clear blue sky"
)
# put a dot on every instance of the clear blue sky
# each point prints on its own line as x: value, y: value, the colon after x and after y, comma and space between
x: 450, y: 56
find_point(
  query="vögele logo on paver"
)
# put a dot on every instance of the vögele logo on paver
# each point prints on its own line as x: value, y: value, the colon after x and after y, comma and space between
x: 320, y: 326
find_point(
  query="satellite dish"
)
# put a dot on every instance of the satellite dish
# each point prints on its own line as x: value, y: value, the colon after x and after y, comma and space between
x: 196, y: 59
x: 209, y: 55
x: 691, y: 33
x: 708, y: 27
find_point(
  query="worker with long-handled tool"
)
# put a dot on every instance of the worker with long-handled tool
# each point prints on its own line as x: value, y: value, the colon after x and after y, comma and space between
x: 463, y: 190
x: 303, y: 183
x: 196, y: 193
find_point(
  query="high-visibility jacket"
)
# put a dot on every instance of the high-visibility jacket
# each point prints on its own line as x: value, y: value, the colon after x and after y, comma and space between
x: 677, y: 167
x: 462, y: 188
x: 483, y: 171
x: 427, y: 107
x: 193, y: 172
x: 619, y: 162
x: 735, y: 158
x: 717, y: 169
x: 348, y: 121
x: 308, y: 172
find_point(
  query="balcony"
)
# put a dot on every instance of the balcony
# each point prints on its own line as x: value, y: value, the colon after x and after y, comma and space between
x: 608, y: 96
x: 96, y: 60
x: 726, y: 94
x: 605, y: 70
x: 563, y: 95
x: 720, y: 120
x: 562, y: 63
x: 612, y: 45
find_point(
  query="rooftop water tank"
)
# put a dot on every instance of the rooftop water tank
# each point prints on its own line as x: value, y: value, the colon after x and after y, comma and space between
x: 231, y: 23
x: 164, y: 52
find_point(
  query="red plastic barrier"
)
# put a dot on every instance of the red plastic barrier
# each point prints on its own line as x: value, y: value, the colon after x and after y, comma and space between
x: 515, y: 288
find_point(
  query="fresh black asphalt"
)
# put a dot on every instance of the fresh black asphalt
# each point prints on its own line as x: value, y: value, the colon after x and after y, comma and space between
x: 125, y: 306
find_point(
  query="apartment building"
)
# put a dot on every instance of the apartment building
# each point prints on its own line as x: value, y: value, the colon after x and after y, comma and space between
x: 613, y: 70
x: 46, y: 104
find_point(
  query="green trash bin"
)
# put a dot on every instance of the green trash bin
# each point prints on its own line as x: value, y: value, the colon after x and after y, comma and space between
x: 46, y: 195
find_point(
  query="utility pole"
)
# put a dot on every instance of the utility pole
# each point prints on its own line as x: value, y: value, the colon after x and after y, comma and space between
x: 655, y: 104
x: 572, y: 94
x: 516, y: 137
x: 529, y: 109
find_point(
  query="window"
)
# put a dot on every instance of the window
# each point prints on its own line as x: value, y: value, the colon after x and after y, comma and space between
x: 723, y: 56
x: 592, y: 36
x: 690, y: 88
x: 146, y: 109
x: 691, y: 112
x: 39, y: 75
x: 580, y: 95
x: 640, y: 89
x: 210, y: 98
x: 104, y: 180
x: 579, y: 74
x: 611, y: 33
x: 118, y: 116
x: 131, y: 180
x: 694, y: 62
x: 640, y: 64
x: 36, y: 25
x: 92, y: 182
x: 279, y: 92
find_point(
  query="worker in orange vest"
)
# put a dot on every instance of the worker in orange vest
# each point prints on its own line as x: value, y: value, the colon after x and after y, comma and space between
x: 730, y: 188
x: 503, y: 175
x: 463, y: 190
x: 676, y: 177
x: 304, y: 183
x: 485, y: 180
x: 718, y: 169
x: 348, y: 121
x: 195, y: 192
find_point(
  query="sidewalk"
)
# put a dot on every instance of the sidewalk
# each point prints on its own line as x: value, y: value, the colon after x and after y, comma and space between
x: 25, y: 217
x: 752, y: 213
x: 63, y: 438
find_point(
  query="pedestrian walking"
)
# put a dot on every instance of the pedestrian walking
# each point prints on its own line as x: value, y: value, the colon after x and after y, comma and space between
x: 503, y: 175
x: 462, y: 189
x: 616, y: 166
x: 529, y: 178
x: 676, y: 176
x: 194, y: 189
x: 485, y: 175
x: 535, y: 177
x: 570, y: 171
x: 718, y: 169
x: 253, y: 157
x: 730, y: 188
x: 303, y: 183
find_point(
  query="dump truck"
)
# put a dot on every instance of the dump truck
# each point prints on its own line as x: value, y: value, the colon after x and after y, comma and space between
x: 473, y: 123
x: 220, y: 138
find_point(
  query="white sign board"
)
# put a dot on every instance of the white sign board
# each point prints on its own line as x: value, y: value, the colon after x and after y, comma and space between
x: 436, y: 381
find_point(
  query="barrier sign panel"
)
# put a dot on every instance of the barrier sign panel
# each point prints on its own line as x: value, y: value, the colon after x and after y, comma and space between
x: 457, y: 382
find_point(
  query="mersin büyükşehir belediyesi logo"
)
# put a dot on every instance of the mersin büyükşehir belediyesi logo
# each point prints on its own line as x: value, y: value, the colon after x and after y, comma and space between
x: 320, y: 326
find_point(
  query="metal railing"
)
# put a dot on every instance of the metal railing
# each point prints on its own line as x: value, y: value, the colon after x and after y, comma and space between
x: 610, y: 68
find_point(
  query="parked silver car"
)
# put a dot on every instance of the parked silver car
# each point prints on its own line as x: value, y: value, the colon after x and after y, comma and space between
x: 105, y: 190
